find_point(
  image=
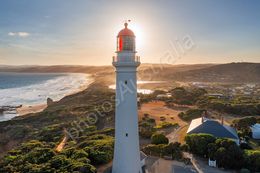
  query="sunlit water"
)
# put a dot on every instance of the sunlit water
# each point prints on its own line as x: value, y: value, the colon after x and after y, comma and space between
x: 140, y: 90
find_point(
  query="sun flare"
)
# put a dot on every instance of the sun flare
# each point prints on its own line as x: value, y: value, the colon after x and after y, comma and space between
x: 139, y: 33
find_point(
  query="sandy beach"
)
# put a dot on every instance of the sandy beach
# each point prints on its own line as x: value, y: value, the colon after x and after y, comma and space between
x: 30, y: 109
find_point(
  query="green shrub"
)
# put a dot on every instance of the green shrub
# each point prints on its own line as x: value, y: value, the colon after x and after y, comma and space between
x: 184, y: 147
x: 157, y: 150
x: 146, y: 133
x: 198, y: 143
x: 79, y: 154
x: 99, y: 157
x: 231, y: 155
x: 59, y: 161
x: 172, y: 149
x: 82, y: 167
x: 243, y: 170
x: 252, y: 160
x: 225, y: 151
x: 159, y: 138
x: 146, y: 127
x: 39, y: 155
x: 191, y: 114
x: 165, y: 124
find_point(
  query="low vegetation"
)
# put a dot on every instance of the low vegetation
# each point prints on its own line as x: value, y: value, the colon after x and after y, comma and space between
x: 38, y: 156
x: 191, y: 114
x: 174, y: 150
x: 226, y: 152
x: 159, y: 138
x: 232, y: 105
x: 164, y: 125
x: 183, y: 96
x: 147, y: 127
x: 80, y: 117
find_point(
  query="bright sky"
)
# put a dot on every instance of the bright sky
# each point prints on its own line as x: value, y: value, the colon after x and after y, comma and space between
x: 84, y: 32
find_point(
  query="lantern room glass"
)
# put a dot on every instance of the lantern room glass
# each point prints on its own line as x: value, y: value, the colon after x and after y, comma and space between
x: 125, y: 43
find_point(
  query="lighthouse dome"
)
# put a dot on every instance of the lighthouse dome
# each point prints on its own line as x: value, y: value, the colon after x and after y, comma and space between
x: 126, y: 32
x: 126, y: 40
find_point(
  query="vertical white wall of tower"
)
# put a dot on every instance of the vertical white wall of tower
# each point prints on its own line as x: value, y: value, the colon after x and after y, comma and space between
x: 127, y: 152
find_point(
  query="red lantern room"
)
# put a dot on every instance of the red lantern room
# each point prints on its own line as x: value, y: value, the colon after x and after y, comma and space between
x: 126, y: 40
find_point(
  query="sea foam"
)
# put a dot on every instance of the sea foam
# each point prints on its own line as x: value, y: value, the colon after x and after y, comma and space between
x: 55, y: 89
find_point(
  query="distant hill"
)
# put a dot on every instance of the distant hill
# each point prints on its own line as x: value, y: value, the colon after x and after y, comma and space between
x: 232, y: 72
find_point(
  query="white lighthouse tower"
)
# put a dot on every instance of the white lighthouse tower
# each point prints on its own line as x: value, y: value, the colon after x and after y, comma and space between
x: 126, y: 151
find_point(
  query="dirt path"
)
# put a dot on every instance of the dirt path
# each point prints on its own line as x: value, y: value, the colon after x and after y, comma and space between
x: 106, y: 168
x: 202, y: 166
x: 178, y: 134
x: 62, y: 144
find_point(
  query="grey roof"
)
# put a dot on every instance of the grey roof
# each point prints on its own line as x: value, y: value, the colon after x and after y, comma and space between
x: 212, y: 127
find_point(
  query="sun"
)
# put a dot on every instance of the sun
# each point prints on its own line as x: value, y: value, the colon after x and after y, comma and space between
x: 139, y: 34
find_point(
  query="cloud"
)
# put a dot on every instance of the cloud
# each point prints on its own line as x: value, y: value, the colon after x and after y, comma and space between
x: 11, y: 34
x: 23, y: 34
x: 19, y: 34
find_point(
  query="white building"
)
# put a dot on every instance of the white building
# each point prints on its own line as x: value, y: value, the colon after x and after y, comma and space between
x: 167, y: 95
x: 255, y: 131
x: 126, y: 151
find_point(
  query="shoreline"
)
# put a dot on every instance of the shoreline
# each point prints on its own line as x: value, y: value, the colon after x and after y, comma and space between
x: 24, y: 110
x: 39, y: 107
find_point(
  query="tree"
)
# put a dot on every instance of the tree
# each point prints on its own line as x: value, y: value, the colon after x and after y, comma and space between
x: 198, y: 143
x: 212, y: 148
x: 252, y: 160
x: 244, y: 124
x: 191, y: 114
x: 221, y: 157
x: 174, y: 149
x: 228, y: 154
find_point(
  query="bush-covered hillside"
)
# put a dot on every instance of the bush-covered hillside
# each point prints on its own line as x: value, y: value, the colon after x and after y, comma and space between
x: 80, y: 118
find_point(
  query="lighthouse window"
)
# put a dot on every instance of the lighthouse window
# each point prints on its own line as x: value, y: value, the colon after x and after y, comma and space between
x: 125, y: 43
x: 126, y: 134
x: 126, y: 82
x: 128, y: 43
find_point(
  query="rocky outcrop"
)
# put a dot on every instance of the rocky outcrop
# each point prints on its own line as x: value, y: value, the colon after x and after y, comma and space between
x: 9, y: 109
x: 49, y: 101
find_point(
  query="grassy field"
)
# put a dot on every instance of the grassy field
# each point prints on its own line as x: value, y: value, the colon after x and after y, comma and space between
x: 157, y: 110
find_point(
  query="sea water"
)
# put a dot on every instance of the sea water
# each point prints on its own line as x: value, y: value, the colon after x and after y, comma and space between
x: 34, y: 88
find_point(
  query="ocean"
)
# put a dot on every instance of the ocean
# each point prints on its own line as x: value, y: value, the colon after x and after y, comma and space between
x: 34, y: 88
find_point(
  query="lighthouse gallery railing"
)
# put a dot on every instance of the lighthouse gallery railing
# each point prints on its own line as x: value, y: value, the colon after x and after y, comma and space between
x: 127, y: 59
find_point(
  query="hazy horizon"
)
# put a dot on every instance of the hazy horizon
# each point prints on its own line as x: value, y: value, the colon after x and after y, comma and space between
x: 100, y: 65
x: 55, y: 32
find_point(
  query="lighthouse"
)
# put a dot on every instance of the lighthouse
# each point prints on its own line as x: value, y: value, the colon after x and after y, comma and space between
x: 126, y: 148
